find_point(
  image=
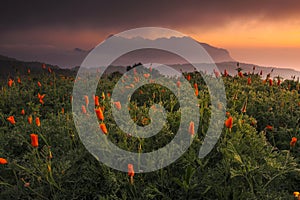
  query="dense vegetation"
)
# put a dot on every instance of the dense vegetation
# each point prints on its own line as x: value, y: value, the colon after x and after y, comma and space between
x: 255, y: 157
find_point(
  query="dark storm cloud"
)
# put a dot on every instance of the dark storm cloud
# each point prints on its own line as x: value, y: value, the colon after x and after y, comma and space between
x: 24, y: 15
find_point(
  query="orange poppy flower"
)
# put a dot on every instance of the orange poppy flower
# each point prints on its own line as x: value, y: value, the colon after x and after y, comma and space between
x: 136, y: 79
x: 10, y: 82
x: 178, y: 84
x: 103, y: 128
x: 3, y: 161
x: 145, y: 121
x: 28, y: 71
x: 44, y: 66
x: 225, y: 73
x: 19, y: 80
x: 99, y: 114
x: 39, y: 84
x: 83, y: 110
x: 192, y: 128
x: 108, y: 95
x: 270, y: 82
x: 188, y: 77
x: 96, y: 100
x: 130, y: 172
x: 269, y: 127
x: 34, y: 140
x: 293, y: 141
x: 118, y: 105
x: 195, y: 85
x: 11, y: 119
x: 62, y: 110
x: 249, y: 81
x: 29, y: 119
x: 37, y: 121
x: 41, y: 97
x: 196, y: 92
x: 22, y: 112
x: 49, y: 70
x: 146, y: 75
x: 240, y: 74
x: 86, y: 99
x: 229, y: 122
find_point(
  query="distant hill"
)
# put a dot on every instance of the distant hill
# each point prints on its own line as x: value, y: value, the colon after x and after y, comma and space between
x: 12, y: 67
x: 5, y: 58
x: 150, y: 55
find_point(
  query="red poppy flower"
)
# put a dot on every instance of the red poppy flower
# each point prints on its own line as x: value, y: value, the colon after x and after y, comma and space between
x: 188, y: 77
x: 3, y: 161
x: 96, y: 100
x: 269, y: 127
x: 192, y: 128
x: 146, y: 75
x: 229, y: 122
x: 83, y: 109
x: 249, y: 81
x: 103, y: 128
x: 10, y: 82
x: 225, y: 73
x: 99, y: 114
x: 270, y: 82
x: 41, y: 97
x: 178, y: 84
x: 196, y: 92
x: 240, y: 74
x: 118, y: 105
x: 34, y: 140
x: 130, y: 170
x: 11, y: 119
x: 86, y: 99
x: 293, y: 141
x: 37, y: 121
x: 29, y: 119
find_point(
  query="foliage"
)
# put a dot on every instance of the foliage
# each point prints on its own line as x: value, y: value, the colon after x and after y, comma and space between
x: 252, y: 160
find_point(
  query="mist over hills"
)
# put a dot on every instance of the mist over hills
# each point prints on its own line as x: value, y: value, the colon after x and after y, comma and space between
x: 10, y: 66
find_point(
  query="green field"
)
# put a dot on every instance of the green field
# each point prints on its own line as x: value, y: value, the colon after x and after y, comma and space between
x: 256, y: 158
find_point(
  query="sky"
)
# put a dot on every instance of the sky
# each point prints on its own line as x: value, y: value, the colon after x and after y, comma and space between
x: 265, y: 32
